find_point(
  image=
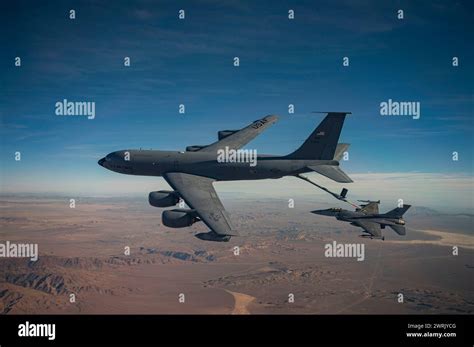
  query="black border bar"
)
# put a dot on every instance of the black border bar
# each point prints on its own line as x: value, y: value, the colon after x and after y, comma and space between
x: 238, y: 329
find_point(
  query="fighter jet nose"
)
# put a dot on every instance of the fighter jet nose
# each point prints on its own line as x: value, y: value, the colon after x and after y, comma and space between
x: 324, y: 212
x: 101, y: 162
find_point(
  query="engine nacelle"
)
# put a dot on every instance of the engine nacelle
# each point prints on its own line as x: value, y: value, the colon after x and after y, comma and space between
x: 178, y: 218
x: 194, y: 148
x: 224, y: 133
x: 163, y: 198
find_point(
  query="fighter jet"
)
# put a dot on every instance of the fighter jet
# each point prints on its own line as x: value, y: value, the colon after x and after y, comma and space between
x: 191, y: 173
x: 368, y: 218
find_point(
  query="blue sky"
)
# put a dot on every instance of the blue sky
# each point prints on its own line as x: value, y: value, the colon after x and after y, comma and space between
x: 191, y: 62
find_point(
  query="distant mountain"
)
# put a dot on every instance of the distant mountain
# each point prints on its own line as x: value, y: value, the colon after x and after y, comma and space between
x: 426, y: 211
x: 423, y: 211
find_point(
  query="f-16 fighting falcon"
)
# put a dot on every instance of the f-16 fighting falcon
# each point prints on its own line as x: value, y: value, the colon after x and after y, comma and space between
x: 191, y: 173
x: 368, y: 218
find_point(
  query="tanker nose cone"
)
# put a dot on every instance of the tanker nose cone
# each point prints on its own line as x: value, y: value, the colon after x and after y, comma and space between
x: 101, y: 162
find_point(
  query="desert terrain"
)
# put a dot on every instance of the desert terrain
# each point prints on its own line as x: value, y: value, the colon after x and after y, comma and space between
x: 82, y: 251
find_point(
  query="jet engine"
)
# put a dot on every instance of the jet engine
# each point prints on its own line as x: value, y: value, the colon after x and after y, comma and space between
x: 178, y: 218
x: 163, y: 198
x: 194, y: 148
x: 224, y: 133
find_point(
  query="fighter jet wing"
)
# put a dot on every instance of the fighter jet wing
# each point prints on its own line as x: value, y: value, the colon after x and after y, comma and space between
x: 198, y: 192
x: 370, y: 227
x: 243, y: 136
x: 371, y: 208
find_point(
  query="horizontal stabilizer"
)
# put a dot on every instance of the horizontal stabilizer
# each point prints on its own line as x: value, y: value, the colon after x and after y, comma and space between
x: 333, y: 172
x: 399, y: 229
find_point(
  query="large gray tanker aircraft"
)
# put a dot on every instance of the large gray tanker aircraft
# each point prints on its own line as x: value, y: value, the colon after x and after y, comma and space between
x: 191, y: 173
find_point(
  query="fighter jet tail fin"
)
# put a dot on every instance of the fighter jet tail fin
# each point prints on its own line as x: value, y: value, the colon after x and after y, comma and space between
x: 397, y: 212
x: 322, y: 143
x: 399, y: 229
x: 333, y: 172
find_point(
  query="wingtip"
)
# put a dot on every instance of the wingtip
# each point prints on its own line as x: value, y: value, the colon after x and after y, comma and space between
x: 233, y: 232
x: 272, y: 117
